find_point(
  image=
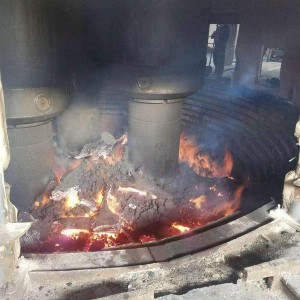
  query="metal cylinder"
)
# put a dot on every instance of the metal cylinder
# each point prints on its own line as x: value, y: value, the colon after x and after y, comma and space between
x: 32, y: 154
x: 77, y: 126
x: 27, y: 67
x: 157, y: 51
x: 29, y: 113
x: 154, y: 132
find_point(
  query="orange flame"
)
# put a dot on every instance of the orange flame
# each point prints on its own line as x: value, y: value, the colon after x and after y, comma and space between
x: 229, y: 207
x: 199, y: 201
x: 181, y: 228
x: 42, y: 202
x: 226, y: 168
x: 201, y: 163
x: 100, y: 197
x: 60, y: 170
x: 118, y: 151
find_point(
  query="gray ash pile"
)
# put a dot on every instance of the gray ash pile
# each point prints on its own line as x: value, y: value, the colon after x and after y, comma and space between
x: 98, y: 200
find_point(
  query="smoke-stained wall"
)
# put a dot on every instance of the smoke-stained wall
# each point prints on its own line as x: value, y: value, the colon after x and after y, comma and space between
x: 25, y: 49
x: 70, y: 42
x: 274, y: 25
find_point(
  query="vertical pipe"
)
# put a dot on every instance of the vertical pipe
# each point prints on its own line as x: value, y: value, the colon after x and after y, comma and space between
x: 154, y: 131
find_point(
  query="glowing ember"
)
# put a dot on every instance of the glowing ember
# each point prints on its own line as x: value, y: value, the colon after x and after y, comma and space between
x: 147, y: 239
x: 133, y: 190
x: 108, y: 217
x: 73, y: 233
x: 112, y: 203
x: 199, y: 201
x: 181, y: 228
x: 72, y: 199
x: 99, y: 235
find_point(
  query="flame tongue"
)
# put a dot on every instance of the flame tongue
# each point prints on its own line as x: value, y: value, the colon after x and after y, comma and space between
x: 199, y: 201
x: 201, y: 163
x: 181, y: 228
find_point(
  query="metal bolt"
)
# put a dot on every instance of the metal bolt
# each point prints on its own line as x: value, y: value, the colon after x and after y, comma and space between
x: 42, y: 102
x: 144, y: 82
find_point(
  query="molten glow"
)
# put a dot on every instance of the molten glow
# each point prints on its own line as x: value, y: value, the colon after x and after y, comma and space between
x: 218, y: 202
x: 72, y: 199
x: 201, y: 163
x: 147, y: 238
x: 74, y: 233
x: 99, y: 235
x: 199, y: 201
x: 181, y: 228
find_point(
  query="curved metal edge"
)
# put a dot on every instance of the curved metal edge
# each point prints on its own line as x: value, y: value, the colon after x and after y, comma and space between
x: 157, y: 253
x: 30, y: 105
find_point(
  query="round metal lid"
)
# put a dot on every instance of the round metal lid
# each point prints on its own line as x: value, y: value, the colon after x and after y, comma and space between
x: 29, y: 105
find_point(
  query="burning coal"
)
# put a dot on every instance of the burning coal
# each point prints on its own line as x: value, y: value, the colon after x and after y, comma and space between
x: 98, y: 200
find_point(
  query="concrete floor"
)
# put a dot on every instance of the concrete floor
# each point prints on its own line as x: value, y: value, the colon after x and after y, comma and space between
x: 239, y: 269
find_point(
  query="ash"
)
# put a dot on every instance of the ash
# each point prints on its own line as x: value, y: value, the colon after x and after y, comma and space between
x: 97, y: 199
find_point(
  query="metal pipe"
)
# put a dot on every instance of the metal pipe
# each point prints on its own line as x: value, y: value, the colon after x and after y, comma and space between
x: 153, y: 136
